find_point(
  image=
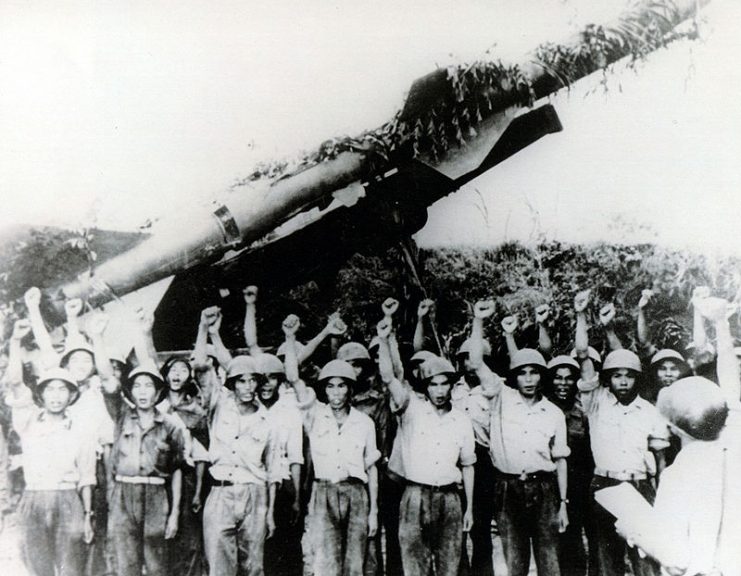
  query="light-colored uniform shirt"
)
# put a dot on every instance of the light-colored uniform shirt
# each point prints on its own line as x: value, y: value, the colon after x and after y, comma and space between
x: 622, y: 435
x: 242, y: 446
x: 434, y: 446
x: 289, y: 440
x: 525, y: 438
x: 90, y: 413
x: 474, y: 404
x: 339, y: 452
x: 698, y: 518
x: 56, y: 453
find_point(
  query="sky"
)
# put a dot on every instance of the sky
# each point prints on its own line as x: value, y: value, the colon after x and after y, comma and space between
x: 113, y: 114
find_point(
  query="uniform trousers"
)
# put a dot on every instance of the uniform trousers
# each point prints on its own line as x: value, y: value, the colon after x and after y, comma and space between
x: 527, y: 511
x: 136, y: 522
x: 53, y: 532
x: 611, y: 547
x: 234, y: 529
x: 337, y: 527
x: 431, y: 530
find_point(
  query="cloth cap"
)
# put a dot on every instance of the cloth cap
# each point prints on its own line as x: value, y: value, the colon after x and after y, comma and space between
x: 468, y: 344
x: 622, y: 359
x: 436, y: 366
x: 563, y: 360
x: 337, y: 369
x: 695, y: 405
x: 353, y: 351
x: 526, y: 357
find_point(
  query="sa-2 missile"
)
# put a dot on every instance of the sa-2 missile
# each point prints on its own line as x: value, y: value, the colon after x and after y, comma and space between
x: 456, y: 123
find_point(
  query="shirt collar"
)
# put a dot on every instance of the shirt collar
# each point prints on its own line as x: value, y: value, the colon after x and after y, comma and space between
x: 66, y: 421
x: 539, y: 404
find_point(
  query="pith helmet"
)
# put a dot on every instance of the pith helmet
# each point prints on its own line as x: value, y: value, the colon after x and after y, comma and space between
x: 436, y: 366
x: 58, y: 374
x: 468, y: 344
x: 337, y: 369
x: 353, y: 351
x: 270, y: 364
x: 561, y: 361
x: 527, y: 357
x: 622, y: 359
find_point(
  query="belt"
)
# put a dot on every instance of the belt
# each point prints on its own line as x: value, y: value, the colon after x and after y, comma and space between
x: 622, y: 476
x: 349, y: 480
x: 432, y: 488
x: 527, y: 476
x: 154, y: 480
x: 58, y: 486
x: 223, y: 483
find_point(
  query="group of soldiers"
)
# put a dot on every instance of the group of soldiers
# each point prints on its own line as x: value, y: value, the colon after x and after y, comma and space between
x: 382, y: 462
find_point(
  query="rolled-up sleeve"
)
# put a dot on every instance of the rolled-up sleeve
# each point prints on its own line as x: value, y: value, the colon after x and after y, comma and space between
x: 560, y: 447
x: 371, y: 454
x: 589, y: 393
x: 308, y: 409
x: 467, y: 455
x: 295, y: 440
x: 658, y: 438
x: 86, y: 461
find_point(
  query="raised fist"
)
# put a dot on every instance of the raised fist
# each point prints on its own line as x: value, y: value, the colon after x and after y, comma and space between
x: 509, y: 324
x: 210, y: 315
x: 250, y: 294
x: 714, y: 309
x: 73, y: 308
x: 390, y: 306
x: 425, y: 307
x: 581, y: 301
x: 97, y: 323
x: 607, y: 314
x: 335, y: 325
x: 541, y: 313
x: 483, y: 309
x: 32, y: 297
x: 646, y: 296
x: 20, y: 329
x: 291, y: 325
x: 383, y: 329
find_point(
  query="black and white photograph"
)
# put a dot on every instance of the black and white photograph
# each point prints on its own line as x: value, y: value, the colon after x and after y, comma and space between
x: 370, y: 288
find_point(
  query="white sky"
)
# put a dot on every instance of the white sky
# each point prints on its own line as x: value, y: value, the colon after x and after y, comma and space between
x: 113, y: 113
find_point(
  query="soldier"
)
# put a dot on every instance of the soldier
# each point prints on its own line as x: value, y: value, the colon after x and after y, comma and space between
x: 146, y: 478
x: 627, y: 438
x: 343, y: 511
x: 437, y: 454
x: 59, y: 469
x: 239, y: 512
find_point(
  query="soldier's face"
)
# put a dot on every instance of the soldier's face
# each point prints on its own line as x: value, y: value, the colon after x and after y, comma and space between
x: 56, y: 396
x: 338, y: 393
x: 144, y: 391
x: 563, y: 383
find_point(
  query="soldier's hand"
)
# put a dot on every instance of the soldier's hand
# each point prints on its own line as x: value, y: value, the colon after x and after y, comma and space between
x: 607, y: 314
x: 209, y: 315
x: 646, y: 296
x: 425, y: 307
x: 171, y: 528
x: 383, y: 329
x: 291, y: 325
x: 269, y: 525
x: 20, y: 329
x: 467, y: 520
x: 32, y: 298
x: 483, y: 309
x: 372, y: 524
x: 295, y: 511
x: 563, y: 518
x: 390, y: 306
x: 581, y: 301
x: 712, y: 308
x: 72, y: 308
x: 509, y: 324
x: 250, y: 294
x: 196, y: 504
x: 541, y: 313
x: 87, y: 529
x: 97, y: 324
x: 145, y: 319
x: 335, y: 325
x: 215, y: 326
